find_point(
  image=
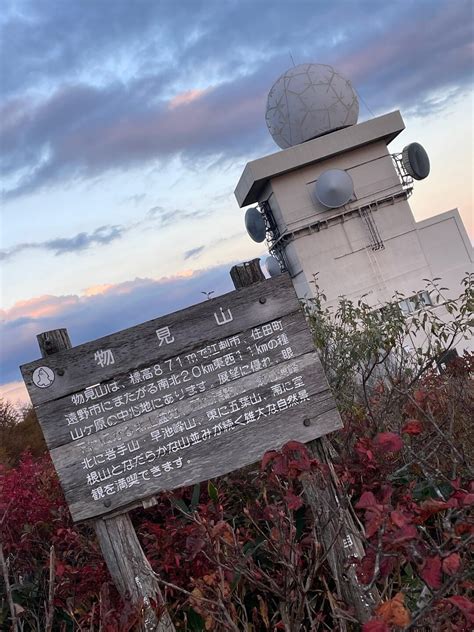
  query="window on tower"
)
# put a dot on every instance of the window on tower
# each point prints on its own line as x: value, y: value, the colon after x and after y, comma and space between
x: 415, y: 302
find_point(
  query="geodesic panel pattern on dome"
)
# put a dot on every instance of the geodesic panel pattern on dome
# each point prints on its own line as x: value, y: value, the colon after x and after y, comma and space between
x: 308, y: 101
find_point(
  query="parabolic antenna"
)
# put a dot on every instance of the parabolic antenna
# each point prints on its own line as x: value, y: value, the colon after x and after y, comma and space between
x: 273, y: 267
x: 416, y: 161
x: 255, y: 224
x: 334, y: 188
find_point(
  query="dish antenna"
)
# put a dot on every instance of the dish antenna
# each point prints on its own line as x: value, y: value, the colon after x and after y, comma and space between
x: 273, y: 266
x: 255, y: 224
x: 416, y: 161
x: 334, y: 188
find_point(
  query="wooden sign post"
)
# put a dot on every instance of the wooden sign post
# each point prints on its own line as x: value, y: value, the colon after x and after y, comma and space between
x: 130, y: 570
x: 178, y: 400
x: 335, y: 522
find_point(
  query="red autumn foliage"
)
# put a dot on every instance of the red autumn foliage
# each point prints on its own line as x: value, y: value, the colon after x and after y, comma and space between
x: 431, y: 572
x: 388, y: 442
x: 245, y: 545
x: 394, y: 612
x: 413, y: 427
x: 451, y: 564
x: 375, y: 625
x: 466, y: 606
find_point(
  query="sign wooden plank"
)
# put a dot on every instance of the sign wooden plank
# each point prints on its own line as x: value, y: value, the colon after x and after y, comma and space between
x: 197, y: 326
x: 156, y: 386
x: 181, y: 399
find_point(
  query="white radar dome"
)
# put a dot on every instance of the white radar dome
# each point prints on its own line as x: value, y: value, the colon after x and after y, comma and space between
x: 307, y: 101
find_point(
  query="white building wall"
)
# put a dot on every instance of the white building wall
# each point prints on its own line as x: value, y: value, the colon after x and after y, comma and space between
x: 447, y: 248
x: 339, y: 250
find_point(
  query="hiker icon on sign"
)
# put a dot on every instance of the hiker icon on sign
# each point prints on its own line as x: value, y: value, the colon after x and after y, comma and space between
x: 43, y: 377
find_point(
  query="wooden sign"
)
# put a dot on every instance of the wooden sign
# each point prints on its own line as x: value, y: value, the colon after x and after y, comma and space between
x: 180, y: 399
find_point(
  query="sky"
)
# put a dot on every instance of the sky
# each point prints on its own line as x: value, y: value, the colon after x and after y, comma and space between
x: 126, y: 124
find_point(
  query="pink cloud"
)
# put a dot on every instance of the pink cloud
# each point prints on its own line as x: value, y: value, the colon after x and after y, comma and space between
x: 99, y: 311
x: 184, y: 98
x: 15, y: 393
x: 93, y: 290
x: 49, y: 306
x: 45, y: 306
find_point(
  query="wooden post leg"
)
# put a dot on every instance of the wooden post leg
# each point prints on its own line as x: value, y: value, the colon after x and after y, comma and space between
x: 130, y: 570
x: 338, y: 532
x: 336, y: 527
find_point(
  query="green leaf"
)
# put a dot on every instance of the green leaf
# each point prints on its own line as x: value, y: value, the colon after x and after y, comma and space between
x: 195, y: 622
x: 300, y: 521
x: 195, y: 496
x: 212, y: 491
x: 180, y: 505
x: 235, y: 580
x: 424, y: 490
x: 250, y: 547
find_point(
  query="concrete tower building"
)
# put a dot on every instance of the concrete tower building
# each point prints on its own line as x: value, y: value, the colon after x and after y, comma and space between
x: 334, y: 200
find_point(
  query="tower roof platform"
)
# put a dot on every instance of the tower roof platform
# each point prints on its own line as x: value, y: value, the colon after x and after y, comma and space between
x: 258, y: 172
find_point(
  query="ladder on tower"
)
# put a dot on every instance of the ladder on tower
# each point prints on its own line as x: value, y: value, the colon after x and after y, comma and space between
x: 376, y: 241
x: 375, y: 244
x: 375, y: 266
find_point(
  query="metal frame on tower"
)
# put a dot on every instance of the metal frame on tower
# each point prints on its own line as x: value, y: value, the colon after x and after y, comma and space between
x: 277, y: 250
x: 405, y: 177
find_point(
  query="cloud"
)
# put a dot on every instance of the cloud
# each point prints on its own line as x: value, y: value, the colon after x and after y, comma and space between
x: 135, y: 199
x: 194, y: 252
x: 104, y: 235
x: 159, y: 85
x: 100, y: 311
x: 81, y: 131
x: 61, y: 245
x: 431, y: 55
x: 15, y: 393
x: 185, y: 97
x: 168, y: 217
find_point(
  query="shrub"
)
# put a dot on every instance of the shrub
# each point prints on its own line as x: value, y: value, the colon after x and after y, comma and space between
x: 242, y: 552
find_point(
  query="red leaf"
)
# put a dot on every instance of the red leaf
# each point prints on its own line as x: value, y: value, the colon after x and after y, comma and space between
x: 465, y: 606
x: 419, y: 396
x: 366, y: 500
x: 267, y: 457
x: 375, y: 625
x: 432, y: 506
x: 293, y: 501
x: 363, y: 449
x: 465, y: 499
x: 431, y: 572
x: 451, y: 564
x: 294, y: 446
x: 388, y: 442
x: 373, y: 520
x: 404, y: 534
x: 398, y: 519
x: 462, y: 528
x: 413, y: 427
x: 280, y: 465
